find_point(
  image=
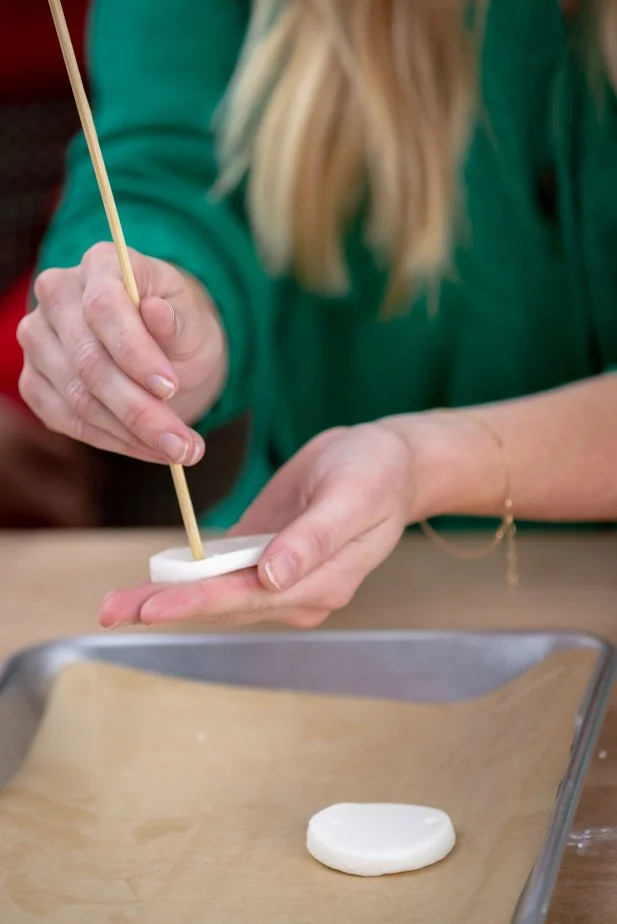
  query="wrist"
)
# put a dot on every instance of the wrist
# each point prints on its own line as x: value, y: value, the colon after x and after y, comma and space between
x: 457, y: 467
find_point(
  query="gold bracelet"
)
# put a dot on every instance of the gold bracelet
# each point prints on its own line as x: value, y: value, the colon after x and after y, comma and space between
x: 506, y: 529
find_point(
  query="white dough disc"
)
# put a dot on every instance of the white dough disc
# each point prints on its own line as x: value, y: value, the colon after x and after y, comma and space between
x: 380, y: 838
x: 222, y: 556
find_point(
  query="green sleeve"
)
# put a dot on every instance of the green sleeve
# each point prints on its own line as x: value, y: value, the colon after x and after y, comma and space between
x: 158, y: 70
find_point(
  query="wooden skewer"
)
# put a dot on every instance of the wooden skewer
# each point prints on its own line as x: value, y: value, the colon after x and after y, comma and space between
x: 128, y: 276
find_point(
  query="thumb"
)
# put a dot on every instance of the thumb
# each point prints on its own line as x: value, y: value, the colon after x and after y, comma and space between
x: 335, y: 517
x: 180, y: 317
x: 182, y: 330
x: 159, y: 316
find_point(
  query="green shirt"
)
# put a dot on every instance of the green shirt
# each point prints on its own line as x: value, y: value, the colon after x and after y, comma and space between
x: 531, y: 301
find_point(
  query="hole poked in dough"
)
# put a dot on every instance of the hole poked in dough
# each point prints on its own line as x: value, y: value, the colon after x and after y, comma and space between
x: 221, y: 556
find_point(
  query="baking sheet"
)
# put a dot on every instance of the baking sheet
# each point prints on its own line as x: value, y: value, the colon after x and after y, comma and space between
x: 148, y: 800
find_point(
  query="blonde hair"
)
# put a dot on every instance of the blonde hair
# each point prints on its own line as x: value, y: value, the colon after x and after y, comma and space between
x: 607, y: 28
x: 337, y: 105
x: 341, y: 107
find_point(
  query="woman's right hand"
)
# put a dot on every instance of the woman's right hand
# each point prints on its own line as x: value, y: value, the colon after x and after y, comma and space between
x: 123, y: 379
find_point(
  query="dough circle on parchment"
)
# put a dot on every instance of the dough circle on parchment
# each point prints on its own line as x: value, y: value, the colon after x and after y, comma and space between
x: 222, y: 556
x: 378, y: 839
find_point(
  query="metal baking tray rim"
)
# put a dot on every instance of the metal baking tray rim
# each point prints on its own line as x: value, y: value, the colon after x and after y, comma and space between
x: 89, y: 645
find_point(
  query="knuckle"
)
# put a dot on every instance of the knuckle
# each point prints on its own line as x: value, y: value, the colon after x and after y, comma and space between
x: 137, y: 417
x: 47, y: 285
x: 97, y: 306
x: 98, y: 253
x: 27, y: 388
x: 90, y: 363
x: 318, y: 544
x: 24, y: 331
x: 32, y: 335
x: 78, y: 397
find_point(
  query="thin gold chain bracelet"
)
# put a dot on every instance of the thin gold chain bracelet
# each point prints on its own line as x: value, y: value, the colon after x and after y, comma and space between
x: 506, y: 529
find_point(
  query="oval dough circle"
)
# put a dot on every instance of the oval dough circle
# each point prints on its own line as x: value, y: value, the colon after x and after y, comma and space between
x: 222, y: 556
x: 379, y: 839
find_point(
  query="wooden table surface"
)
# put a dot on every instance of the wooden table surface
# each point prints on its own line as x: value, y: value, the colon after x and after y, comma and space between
x: 51, y: 584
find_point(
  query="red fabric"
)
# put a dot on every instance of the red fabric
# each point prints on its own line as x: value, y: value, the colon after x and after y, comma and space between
x: 31, y: 69
x: 31, y: 66
x: 12, y: 310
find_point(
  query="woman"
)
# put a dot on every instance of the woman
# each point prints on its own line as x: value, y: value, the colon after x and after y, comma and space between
x: 392, y: 234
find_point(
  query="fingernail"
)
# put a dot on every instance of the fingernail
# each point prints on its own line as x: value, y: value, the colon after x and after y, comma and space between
x: 281, y: 571
x: 174, y: 447
x: 199, y: 452
x: 172, y: 313
x: 161, y: 387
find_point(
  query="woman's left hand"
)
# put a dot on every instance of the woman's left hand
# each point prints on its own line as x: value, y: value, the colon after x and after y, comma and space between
x: 339, y: 508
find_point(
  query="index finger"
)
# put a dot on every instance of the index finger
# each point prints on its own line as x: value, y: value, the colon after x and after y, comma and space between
x: 212, y: 600
x: 238, y: 597
x: 117, y: 323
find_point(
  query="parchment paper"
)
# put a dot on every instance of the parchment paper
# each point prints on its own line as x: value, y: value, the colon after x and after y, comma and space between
x: 146, y: 800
